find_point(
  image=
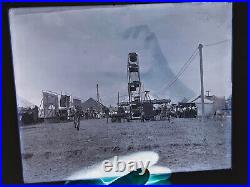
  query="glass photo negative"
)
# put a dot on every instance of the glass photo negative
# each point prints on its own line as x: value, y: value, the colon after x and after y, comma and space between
x: 106, y: 90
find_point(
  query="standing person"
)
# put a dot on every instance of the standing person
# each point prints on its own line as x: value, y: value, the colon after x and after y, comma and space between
x: 168, y: 114
x: 107, y: 114
x: 74, y: 117
x: 142, y: 116
x: 77, y: 116
x: 163, y: 112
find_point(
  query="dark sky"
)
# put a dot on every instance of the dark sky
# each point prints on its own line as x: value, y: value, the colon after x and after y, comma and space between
x: 70, y: 49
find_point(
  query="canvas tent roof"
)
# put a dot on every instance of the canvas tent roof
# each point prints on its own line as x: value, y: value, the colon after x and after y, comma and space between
x: 91, y: 103
x: 198, y: 100
x: 21, y: 102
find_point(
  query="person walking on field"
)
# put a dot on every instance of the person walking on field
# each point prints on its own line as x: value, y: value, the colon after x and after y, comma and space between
x: 77, y: 117
x: 107, y: 114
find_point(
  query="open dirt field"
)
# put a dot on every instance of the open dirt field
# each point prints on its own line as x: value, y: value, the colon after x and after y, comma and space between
x: 53, y: 151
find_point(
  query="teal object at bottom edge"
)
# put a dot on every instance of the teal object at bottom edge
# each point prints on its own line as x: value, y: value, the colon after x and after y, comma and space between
x: 131, y: 178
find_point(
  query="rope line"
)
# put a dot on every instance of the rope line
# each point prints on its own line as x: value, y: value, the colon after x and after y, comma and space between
x: 183, y: 69
x: 216, y: 43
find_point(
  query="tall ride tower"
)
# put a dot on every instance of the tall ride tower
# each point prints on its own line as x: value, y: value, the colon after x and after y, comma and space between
x: 134, y: 86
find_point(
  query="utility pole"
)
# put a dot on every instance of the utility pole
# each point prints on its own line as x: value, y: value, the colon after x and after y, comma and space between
x: 118, y: 100
x: 98, y: 98
x: 202, y: 87
x: 97, y: 93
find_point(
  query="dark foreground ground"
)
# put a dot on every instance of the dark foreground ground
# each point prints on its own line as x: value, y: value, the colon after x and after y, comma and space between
x: 53, y: 151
